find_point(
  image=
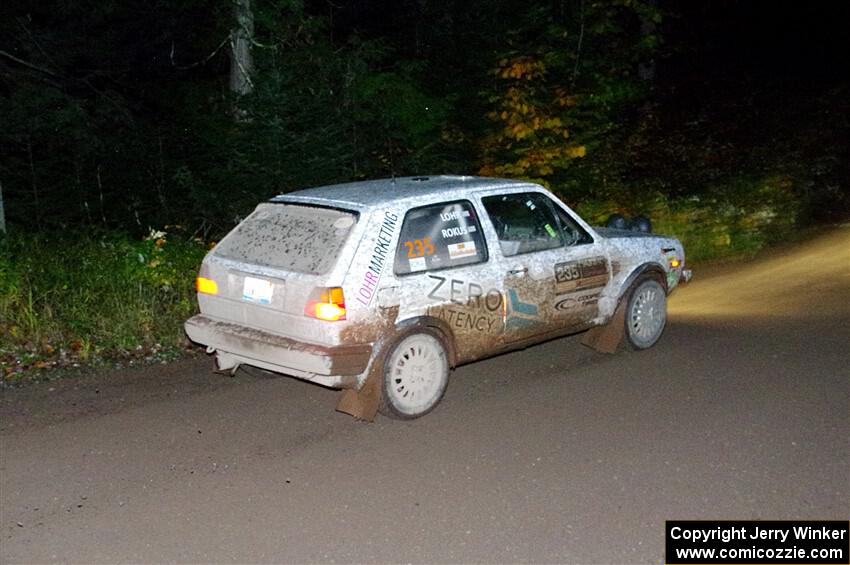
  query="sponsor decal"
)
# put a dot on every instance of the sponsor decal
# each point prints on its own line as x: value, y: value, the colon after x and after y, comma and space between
x: 521, y: 314
x: 566, y: 304
x: 453, y: 216
x: 473, y: 321
x: 465, y: 293
x: 581, y: 274
x: 369, y: 283
x: 461, y: 250
x: 484, y: 306
x: 576, y: 301
x: 487, y: 305
x: 417, y: 264
x: 458, y: 231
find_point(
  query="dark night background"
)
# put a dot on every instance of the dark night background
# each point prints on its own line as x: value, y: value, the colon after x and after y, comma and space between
x: 725, y: 121
x: 131, y: 142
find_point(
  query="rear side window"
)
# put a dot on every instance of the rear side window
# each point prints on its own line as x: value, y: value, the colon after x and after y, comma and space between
x: 439, y: 237
x: 295, y: 238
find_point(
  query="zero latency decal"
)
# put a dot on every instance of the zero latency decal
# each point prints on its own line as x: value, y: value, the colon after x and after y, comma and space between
x: 522, y: 314
x: 466, y: 305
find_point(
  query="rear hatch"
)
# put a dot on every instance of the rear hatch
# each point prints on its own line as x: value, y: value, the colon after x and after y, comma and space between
x: 267, y: 268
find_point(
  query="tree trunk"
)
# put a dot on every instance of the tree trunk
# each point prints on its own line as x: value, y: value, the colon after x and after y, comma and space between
x: 2, y: 211
x: 646, y: 68
x: 241, y: 40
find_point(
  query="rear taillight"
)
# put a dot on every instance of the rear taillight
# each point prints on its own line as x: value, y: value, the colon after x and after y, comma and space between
x: 326, y: 304
x: 206, y: 286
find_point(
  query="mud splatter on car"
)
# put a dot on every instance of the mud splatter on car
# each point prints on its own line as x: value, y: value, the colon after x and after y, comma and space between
x: 381, y: 287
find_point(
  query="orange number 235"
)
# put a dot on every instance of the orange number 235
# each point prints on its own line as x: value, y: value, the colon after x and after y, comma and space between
x: 419, y: 247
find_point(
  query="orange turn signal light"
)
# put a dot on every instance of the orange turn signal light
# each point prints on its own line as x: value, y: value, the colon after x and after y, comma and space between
x: 675, y: 263
x: 206, y: 286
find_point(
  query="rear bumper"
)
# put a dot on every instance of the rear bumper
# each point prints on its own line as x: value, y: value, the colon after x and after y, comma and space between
x: 334, y: 366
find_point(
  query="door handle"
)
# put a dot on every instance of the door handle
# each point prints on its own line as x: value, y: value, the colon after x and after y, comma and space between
x: 518, y: 271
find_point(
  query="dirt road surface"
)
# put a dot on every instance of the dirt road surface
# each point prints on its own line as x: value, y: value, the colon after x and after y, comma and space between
x: 552, y: 454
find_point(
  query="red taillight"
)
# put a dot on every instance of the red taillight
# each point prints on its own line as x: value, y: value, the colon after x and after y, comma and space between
x: 326, y: 304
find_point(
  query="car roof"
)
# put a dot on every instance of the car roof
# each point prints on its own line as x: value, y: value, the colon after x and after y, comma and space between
x: 365, y: 194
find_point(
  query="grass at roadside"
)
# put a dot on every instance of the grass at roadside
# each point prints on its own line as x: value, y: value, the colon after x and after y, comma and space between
x: 84, y: 299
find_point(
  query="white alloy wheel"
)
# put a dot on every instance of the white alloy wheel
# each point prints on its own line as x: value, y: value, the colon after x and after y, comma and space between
x: 646, y: 316
x: 416, y: 373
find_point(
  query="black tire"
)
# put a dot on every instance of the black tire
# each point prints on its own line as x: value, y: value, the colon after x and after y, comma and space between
x: 415, y: 375
x: 641, y: 224
x: 646, y: 313
x: 617, y: 222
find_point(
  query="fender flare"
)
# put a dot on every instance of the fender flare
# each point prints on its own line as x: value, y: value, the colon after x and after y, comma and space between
x: 651, y: 269
x: 410, y: 325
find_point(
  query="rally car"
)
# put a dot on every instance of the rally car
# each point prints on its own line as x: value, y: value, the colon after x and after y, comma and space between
x: 382, y: 287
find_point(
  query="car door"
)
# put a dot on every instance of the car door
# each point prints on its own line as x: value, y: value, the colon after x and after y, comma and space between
x: 442, y: 270
x: 553, y: 269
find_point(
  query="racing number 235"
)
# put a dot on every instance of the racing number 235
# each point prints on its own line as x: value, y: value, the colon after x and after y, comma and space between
x: 419, y: 247
x: 567, y: 272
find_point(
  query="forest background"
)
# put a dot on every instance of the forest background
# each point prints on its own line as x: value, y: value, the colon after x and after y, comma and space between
x: 135, y: 133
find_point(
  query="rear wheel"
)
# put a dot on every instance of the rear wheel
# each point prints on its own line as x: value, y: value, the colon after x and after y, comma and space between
x: 416, y: 373
x: 646, y: 313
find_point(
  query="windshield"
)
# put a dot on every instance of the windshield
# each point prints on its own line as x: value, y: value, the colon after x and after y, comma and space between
x: 296, y: 238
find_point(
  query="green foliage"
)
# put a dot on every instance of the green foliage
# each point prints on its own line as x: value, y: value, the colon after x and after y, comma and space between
x: 88, y: 297
x: 738, y: 219
x: 317, y: 115
x: 566, y: 91
x: 532, y: 141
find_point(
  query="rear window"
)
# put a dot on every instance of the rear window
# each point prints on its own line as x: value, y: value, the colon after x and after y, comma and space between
x: 300, y: 239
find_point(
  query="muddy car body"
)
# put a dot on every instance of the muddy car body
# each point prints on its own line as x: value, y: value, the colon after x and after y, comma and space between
x: 406, y: 278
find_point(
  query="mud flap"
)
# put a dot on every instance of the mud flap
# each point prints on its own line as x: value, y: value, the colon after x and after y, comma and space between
x: 606, y: 339
x: 363, y: 404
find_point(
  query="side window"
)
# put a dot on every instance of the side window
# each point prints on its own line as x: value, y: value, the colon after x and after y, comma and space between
x: 573, y: 233
x: 440, y: 236
x: 524, y: 222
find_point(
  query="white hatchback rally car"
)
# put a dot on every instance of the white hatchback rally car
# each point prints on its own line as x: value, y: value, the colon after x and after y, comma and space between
x: 381, y: 287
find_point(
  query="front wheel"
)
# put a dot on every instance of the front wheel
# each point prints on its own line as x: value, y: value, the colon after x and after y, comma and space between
x: 416, y: 373
x: 646, y: 314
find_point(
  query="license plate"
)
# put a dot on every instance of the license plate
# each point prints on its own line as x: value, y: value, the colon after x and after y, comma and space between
x: 257, y: 290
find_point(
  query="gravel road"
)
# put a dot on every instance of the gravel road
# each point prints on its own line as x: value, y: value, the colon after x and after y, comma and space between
x: 551, y: 454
